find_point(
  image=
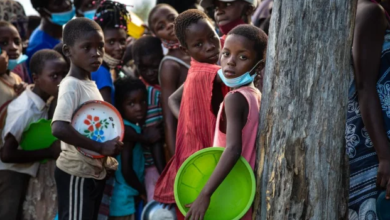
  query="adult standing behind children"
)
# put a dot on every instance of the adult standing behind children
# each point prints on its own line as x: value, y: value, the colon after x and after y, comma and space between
x: 112, y: 18
x: 201, y: 97
x: 368, y: 117
x: 54, y: 14
x: 77, y: 175
x: 173, y: 68
x: 228, y: 14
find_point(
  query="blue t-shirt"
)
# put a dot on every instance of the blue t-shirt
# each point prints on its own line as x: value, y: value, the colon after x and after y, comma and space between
x: 39, y: 40
x: 103, y: 78
x: 122, y: 200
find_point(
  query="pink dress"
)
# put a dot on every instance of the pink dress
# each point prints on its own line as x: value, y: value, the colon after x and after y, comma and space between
x: 249, y: 132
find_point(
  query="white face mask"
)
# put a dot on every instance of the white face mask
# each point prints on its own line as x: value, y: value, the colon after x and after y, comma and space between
x: 242, y: 80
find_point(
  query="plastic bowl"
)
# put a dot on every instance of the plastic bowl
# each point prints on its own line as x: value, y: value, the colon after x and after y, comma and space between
x: 230, y: 201
x: 382, y: 206
x: 134, y: 26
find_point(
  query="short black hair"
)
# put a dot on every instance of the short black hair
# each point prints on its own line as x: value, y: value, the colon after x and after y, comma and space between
x: 184, y: 20
x: 77, y: 28
x: 39, y: 4
x: 39, y: 58
x: 112, y: 15
x: 33, y: 22
x: 151, y: 13
x: 146, y: 46
x: 125, y: 85
x: 58, y: 48
x: 254, y: 34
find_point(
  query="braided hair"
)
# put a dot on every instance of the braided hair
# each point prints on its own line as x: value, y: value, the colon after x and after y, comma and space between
x: 112, y: 15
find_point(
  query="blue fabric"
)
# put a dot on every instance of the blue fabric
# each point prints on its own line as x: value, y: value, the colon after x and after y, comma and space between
x: 39, y: 40
x: 122, y: 200
x: 103, y: 78
x: 363, y: 161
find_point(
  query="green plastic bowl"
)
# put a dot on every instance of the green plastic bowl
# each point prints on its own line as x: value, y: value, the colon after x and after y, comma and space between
x: 230, y: 201
x: 37, y: 136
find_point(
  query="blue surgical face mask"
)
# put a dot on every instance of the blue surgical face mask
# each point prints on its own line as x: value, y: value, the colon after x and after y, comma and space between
x: 13, y: 63
x: 90, y: 14
x: 242, y: 80
x: 63, y: 17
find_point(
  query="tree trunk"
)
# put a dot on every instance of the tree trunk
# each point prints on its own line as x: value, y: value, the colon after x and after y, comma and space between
x: 302, y: 171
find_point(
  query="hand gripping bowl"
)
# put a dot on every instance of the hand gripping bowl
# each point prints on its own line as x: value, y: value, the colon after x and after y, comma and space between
x: 37, y: 136
x: 99, y: 121
x: 230, y: 201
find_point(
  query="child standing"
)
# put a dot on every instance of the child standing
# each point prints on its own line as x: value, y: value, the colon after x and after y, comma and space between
x: 112, y: 18
x: 242, y: 56
x: 80, y: 179
x: 131, y: 101
x: 173, y: 68
x: 202, y: 96
x: 48, y: 68
x: 229, y: 14
x: 17, y: 165
x: 11, y: 84
x: 148, y: 54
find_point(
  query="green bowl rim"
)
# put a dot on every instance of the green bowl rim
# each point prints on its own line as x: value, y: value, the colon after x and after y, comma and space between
x: 252, y: 174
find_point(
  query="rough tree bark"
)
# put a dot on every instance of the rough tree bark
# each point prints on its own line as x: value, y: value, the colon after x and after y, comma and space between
x: 302, y: 169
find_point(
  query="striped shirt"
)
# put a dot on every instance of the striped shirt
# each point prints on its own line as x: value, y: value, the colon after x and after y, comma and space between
x: 153, y: 116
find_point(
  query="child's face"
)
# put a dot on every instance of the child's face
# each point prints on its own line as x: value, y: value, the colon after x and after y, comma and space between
x: 202, y: 42
x: 11, y: 42
x: 226, y: 12
x: 147, y: 67
x: 238, y: 56
x: 87, y: 52
x: 115, y: 42
x: 134, y: 106
x: 58, y: 6
x: 162, y: 23
x: 53, y: 72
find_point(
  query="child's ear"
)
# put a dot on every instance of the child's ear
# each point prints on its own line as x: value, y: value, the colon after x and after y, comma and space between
x: 260, y: 67
x: 183, y: 49
x: 35, y: 77
x: 65, y: 50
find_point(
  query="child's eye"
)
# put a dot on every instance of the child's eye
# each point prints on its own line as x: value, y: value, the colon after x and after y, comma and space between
x: 225, y: 54
x: 242, y: 57
x: 160, y: 27
x: 86, y: 47
x: 111, y: 42
x: 132, y: 104
x: 227, y: 4
x: 55, y: 76
x: 123, y: 42
x: 17, y: 42
x: 4, y: 43
x: 199, y: 45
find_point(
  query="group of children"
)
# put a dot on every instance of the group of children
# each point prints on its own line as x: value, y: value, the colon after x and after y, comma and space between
x: 183, y: 100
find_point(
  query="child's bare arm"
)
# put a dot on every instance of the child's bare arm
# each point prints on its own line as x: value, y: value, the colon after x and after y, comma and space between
x: 65, y: 132
x: 127, y: 168
x: 11, y: 154
x: 157, y: 151
x: 175, y: 101
x: 150, y: 135
x: 170, y: 74
x: 106, y: 94
x: 235, y: 105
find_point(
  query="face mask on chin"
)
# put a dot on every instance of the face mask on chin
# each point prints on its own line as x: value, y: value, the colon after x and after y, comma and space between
x: 13, y: 63
x: 242, y: 80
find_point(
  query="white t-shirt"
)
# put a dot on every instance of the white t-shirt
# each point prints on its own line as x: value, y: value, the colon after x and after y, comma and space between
x: 73, y: 93
x: 22, y: 111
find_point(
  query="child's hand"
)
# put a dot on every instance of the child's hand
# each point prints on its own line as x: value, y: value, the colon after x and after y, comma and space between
x: 198, y: 208
x: 3, y: 61
x: 55, y: 149
x: 153, y: 133
x: 19, y: 88
x: 111, y: 148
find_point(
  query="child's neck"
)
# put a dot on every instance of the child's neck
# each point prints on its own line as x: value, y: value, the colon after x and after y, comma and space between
x: 51, y: 29
x: 43, y: 95
x: 79, y: 73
